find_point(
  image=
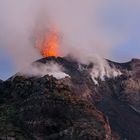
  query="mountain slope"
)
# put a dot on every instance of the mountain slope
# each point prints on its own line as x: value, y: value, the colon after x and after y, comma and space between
x: 65, y: 107
x: 45, y: 109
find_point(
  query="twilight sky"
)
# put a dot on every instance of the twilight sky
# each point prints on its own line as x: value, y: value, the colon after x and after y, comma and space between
x: 107, y: 28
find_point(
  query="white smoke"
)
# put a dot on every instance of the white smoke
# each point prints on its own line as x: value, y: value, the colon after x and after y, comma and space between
x: 101, y: 69
x: 77, y: 20
x: 83, y: 28
x: 40, y: 70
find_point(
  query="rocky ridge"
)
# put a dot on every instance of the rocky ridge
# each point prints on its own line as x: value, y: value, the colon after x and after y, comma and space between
x: 74, y: 107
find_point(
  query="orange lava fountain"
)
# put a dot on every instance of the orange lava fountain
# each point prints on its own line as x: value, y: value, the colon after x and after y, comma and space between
x: 49, y: 44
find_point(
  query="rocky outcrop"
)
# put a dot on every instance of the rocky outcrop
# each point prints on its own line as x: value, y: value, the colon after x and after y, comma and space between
x: 47, y: 109
x: 118, y: 96
x: 130, y: 83
x: 70, y: 108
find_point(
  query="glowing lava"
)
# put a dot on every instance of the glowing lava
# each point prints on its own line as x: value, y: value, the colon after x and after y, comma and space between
x: 49, y: 44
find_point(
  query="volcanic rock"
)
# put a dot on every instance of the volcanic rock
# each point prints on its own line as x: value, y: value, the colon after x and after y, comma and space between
x: 46, y: 109
x: 74, y: 107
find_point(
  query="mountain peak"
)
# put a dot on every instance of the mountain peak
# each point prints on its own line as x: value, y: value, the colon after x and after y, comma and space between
x: 76, y: 103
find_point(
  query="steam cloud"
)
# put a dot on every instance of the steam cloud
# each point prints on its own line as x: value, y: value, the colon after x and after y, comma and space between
x: 101, y: 69
x: 40, y: 70
x: 79, y: 21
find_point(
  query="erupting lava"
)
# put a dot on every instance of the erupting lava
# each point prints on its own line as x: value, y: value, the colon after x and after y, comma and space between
x: 49, y: 44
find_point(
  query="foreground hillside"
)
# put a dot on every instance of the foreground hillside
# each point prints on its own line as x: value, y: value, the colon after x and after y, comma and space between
x: 44, y: 109
x: 71, y: 104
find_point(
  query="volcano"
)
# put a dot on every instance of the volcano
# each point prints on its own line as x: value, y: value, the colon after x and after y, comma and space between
x: 60, y: 98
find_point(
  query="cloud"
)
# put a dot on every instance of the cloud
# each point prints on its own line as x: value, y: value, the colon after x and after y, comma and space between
x: 87, y: 27
x: 17, y: 19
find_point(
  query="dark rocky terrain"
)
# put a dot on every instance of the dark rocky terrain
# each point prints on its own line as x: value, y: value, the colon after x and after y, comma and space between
x: 46, y: 109
x: 72, y: 108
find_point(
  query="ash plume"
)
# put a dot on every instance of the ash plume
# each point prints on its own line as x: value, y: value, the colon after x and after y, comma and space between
x: 80, y: 23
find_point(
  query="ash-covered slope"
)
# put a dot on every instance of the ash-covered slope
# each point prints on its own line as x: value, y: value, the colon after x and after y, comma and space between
x: 62, y: 106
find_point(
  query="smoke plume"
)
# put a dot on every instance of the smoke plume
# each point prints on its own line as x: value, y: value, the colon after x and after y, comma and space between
x: 40, y: 70
x: 101, y: 69
x: 79, y: 22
